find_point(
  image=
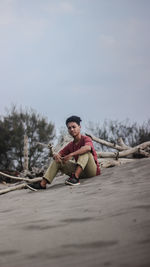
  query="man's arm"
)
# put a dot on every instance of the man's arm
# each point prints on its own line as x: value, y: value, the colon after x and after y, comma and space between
x: 62, y: 153
x: 80, y: 151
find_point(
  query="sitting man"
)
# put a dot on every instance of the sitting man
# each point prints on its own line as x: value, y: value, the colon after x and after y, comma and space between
x: 81, y: 149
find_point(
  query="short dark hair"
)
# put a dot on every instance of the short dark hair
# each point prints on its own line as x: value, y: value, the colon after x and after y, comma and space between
x: 73, y: 119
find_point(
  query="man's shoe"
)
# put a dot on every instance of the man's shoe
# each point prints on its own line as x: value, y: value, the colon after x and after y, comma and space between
x: 37, y: 186
x: 72, y: 181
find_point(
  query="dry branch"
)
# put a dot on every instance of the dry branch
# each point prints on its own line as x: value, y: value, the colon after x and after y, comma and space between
x: 122, y: 144
x: 12, y: 188
x: 16, y: 187
x: 124, y: 150
x: 21, y: 186
x: 105, y: 143
x: 21, y: 178
x: 121, y: 154
x: 144, y: 145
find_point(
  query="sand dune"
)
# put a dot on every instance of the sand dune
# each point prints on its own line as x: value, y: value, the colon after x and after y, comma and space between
x: 103, y: 222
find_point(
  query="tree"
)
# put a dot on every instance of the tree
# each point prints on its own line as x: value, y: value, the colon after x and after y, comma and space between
x: 13, y: 127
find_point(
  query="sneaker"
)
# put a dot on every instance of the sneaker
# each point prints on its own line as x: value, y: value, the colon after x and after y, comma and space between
x: 72, y: 181
x: 37, y: 186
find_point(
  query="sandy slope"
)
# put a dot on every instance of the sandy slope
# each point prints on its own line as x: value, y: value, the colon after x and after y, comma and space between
x: 103, y: 222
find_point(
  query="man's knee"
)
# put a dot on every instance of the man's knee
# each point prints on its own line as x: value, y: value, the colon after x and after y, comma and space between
x: 83, y: 160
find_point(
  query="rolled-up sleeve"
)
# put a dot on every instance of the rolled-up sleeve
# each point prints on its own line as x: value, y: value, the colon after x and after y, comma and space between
x: 88, y: 142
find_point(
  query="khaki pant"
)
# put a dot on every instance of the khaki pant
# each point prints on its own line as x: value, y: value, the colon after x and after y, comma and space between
x: 86, y: 161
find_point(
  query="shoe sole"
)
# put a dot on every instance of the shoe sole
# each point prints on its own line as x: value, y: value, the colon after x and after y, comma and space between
x: 68, y: 183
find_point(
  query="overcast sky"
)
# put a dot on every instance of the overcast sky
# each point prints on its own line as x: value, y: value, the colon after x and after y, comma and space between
x: 84, y: 57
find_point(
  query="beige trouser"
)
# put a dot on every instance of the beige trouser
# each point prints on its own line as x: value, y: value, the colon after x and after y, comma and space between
x: 86, y: 161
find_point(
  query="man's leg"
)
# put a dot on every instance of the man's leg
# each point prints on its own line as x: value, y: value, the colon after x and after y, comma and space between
x: 51, y: 171
x: 85, y: 167
x: 87, y: 163
x: 68, y: 168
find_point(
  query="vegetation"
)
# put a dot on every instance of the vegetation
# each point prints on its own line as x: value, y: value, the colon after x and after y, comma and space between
x: 13, y: 127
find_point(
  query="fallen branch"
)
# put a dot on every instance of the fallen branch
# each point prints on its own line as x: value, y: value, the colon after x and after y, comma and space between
x: 12, y: 188
x: 21, y: 186
x: 136, y: 149
x: 122, y: 144
x: 21, y: 179
x: 122, y: 147
x: 16, y: 187
x: 121, y: 154
x: 144, y: 145
x: 105, y: 143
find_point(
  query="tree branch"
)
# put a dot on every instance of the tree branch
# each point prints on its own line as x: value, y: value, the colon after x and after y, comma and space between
x: 124, y: 150
x: 21, y: 179
x: 105, y: 143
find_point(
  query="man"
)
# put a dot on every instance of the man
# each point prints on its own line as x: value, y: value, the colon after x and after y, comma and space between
x: 81, y: 149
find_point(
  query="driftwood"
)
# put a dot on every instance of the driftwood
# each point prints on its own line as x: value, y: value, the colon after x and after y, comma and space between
x: 110, y: 159
x: 16, y: 187
x: 28, y: 180
x: 121, y: 154
x: 126, y: 152
x: 20, y: 186
x: 122, y: 148
x: 105, y: 143
x: 122, y: 144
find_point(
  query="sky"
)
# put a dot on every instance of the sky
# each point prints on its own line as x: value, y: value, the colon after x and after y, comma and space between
x: 89, y: 58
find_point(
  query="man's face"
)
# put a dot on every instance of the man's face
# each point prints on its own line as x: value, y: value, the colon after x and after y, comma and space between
x: 73, y: 128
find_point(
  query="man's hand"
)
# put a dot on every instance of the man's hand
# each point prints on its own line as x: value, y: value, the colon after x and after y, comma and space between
x: 66, y: 158
x: 58, y: 158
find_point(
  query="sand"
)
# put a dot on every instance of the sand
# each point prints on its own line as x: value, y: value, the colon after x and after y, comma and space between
x: 103, y: 222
